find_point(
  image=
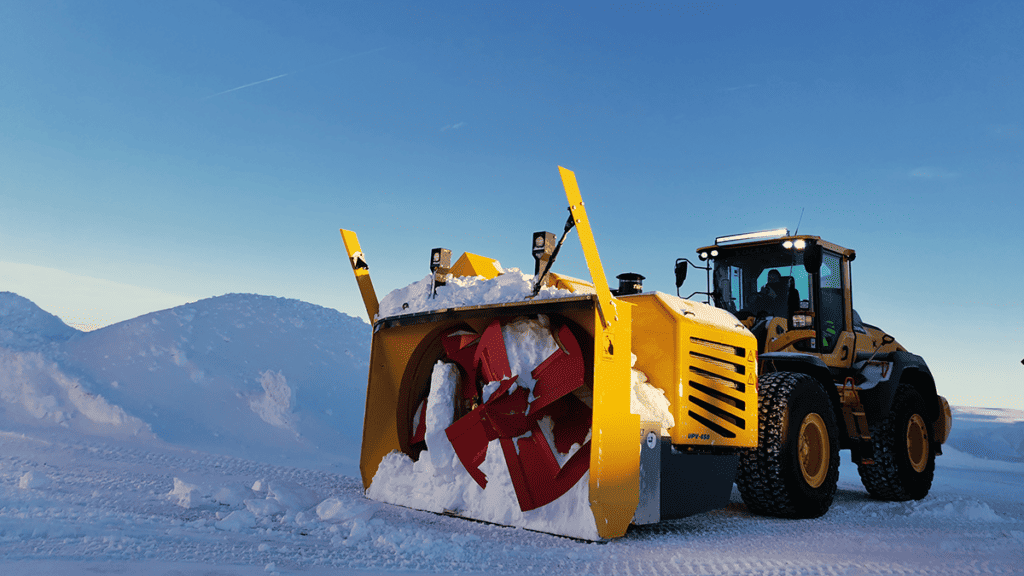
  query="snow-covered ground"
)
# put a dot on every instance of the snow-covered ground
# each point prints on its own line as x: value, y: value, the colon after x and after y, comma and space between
x: 222, y: 438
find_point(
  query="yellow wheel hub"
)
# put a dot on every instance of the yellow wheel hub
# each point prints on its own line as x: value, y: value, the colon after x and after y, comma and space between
x: 917, y: 443
x: 813, y: 449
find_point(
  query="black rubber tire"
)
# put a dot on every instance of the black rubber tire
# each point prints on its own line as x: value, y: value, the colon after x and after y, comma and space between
x: 769, y: 477
x: 893, y: 476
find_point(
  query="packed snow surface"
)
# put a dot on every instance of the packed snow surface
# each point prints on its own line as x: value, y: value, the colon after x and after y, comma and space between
x: 93, y: 496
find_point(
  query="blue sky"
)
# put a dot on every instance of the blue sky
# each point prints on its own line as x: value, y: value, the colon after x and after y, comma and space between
x: 153, y: 154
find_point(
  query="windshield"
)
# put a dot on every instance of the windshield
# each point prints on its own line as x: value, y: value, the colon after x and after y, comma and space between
x: 760, y: 281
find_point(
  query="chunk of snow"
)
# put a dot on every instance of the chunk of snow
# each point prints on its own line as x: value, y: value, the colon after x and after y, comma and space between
x: 274, y: 405
x: 292, y: 496
x: 233, y: 496
x: 360, y: 531
x: 190, y: 495
x: 338, y: 510
x: 237, y: 521
x: 33, y: 481
x: 264, y: 507
x: 205, y: 495
x: 283, y: 497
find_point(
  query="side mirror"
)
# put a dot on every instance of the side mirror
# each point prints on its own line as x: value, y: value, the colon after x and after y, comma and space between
x: 812, y: 258
x: 680, y: 272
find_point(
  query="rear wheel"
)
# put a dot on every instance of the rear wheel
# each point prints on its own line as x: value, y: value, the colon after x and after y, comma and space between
x: 904, y: 454
x: 795, y: 468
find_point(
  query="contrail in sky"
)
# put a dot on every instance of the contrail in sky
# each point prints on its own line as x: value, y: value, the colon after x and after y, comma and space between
x: 247, y: 85
x: 289, y: 73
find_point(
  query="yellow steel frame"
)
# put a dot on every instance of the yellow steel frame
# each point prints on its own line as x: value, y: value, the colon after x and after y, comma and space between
x: 614, y: 455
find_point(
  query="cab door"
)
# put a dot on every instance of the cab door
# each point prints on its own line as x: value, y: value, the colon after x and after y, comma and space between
x: 838, y: 342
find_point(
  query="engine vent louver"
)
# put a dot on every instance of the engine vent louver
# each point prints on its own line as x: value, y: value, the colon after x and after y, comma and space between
x: 737, y: 368
x: 717, y: 386
x: 724, y: 432
x: 726, y: 348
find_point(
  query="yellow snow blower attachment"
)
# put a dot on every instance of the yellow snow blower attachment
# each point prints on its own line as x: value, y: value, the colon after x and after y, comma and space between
x: 558, y: 405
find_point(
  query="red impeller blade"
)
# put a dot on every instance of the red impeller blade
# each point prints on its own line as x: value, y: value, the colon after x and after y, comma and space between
x: 536, y: 476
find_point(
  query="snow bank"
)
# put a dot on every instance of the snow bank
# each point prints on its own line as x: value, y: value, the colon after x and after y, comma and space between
x: 960, y: 508
x: 252, y: 376
x: 35, y: 390
x: 955, y: 509
x: 995, y: 434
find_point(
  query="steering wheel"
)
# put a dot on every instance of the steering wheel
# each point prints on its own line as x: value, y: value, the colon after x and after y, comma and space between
x: 760, y: 321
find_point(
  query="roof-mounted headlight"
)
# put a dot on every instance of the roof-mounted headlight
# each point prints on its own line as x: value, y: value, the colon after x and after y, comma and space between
x: 800, y: 244
x: 703, y: 255
x: 777, y: 233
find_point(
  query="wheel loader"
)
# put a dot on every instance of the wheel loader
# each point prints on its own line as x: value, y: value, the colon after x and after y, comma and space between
x: 827, y: 380
x: 553, y: 403
x: 560, y: 405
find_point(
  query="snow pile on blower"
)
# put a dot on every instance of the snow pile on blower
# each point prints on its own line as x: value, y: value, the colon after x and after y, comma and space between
x: 510, y: 285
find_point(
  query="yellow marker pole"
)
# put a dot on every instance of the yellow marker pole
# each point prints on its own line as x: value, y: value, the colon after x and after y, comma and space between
x: 362, y: 272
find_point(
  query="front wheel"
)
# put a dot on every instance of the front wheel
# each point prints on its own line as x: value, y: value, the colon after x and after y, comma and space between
x: 904, y: 454
x: 794, y: 470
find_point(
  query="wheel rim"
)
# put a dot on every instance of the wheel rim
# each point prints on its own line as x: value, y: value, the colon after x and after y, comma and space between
x: 813, y: 447
x: 917, y: 443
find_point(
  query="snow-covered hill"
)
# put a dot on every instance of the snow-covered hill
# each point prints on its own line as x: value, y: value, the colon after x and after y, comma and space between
x: 25, y: 326
x: 279, y: 380
x: 222, y: 437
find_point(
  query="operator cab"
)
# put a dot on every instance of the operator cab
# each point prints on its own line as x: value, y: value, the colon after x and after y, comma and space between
x: 792, y: 292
